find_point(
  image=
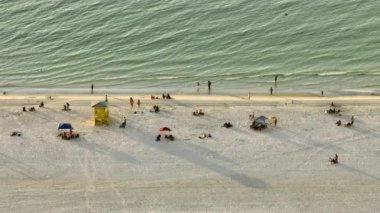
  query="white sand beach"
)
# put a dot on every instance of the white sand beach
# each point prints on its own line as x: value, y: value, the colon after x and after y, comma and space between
x: 283, y: 168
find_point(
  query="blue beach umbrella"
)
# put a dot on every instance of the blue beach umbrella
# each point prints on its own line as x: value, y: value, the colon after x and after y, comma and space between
x: 64, y: 126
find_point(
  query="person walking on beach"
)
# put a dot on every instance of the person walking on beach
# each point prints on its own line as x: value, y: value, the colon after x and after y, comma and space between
x: 92, y: 88
x: 271, y: 91
x: 138, y: 103
x: 106, y: 98
x: 322, y: 93
x: 131, y: 101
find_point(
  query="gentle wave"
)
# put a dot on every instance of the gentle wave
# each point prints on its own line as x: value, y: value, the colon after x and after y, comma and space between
x: 171, y: 45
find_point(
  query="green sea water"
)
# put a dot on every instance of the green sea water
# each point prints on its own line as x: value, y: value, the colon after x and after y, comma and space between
x: 169, y: 45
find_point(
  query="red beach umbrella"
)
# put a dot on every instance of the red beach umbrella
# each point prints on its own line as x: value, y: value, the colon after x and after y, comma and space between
x: 165, y: 129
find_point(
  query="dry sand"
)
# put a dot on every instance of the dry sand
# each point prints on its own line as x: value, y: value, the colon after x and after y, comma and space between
x: 108, y: 169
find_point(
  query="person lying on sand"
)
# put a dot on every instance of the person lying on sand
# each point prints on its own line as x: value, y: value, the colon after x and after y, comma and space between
x: 204, y: 135
x: 348, y: 124
x: 16, y: 134
x: 154, y: 97
x: 338, y: 123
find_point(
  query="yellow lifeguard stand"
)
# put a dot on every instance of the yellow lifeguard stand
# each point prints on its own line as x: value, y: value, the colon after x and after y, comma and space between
x: 101, y: 113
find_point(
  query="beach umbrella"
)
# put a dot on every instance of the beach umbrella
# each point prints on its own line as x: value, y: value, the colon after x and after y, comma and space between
x: 165, y: 129
x: 65, y: 126
x: 262, y: 118
x: 273, y: 117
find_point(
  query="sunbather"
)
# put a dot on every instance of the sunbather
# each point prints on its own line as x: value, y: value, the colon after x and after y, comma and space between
x: 227, y: 125
x: 16, y: 134
x: 204, y: 135
x: 348, y: 124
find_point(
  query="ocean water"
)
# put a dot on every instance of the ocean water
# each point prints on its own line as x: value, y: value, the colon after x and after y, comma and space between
x: 169, y: 45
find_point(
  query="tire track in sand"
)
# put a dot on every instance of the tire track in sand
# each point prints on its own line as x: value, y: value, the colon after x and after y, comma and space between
x: 110, y: 182
x: 89, y: 171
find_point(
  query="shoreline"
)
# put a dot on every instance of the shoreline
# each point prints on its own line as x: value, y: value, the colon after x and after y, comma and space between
x: 260, y: 97
x: 257, y: 91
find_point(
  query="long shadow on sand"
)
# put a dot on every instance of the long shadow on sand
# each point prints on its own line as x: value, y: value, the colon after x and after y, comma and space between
x: 187, y: 153
x: 353, y: 170
x: 18, y: 166
x: 96, y: 148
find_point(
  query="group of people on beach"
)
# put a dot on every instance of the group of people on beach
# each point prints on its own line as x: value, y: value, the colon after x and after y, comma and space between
x: 32, y: 109
x: 68, y: 135
x: 348, y: 124
x: 333, y: 110
x: 66, y: 107
x: 131, y: 102
x: 198, y: 112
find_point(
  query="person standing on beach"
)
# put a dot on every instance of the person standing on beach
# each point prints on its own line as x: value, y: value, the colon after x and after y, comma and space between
x: 275, y: 80
x: 92, y: 88
x: 106, y: 98
x: 322, y: 93
x: 138, y: 103
x: 209, y: 86
x: 271, y: 91
x: 131, y: 101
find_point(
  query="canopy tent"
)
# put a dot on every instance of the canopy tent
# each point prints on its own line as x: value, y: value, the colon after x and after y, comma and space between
x: 65, y: 126
x: 259, y: 123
